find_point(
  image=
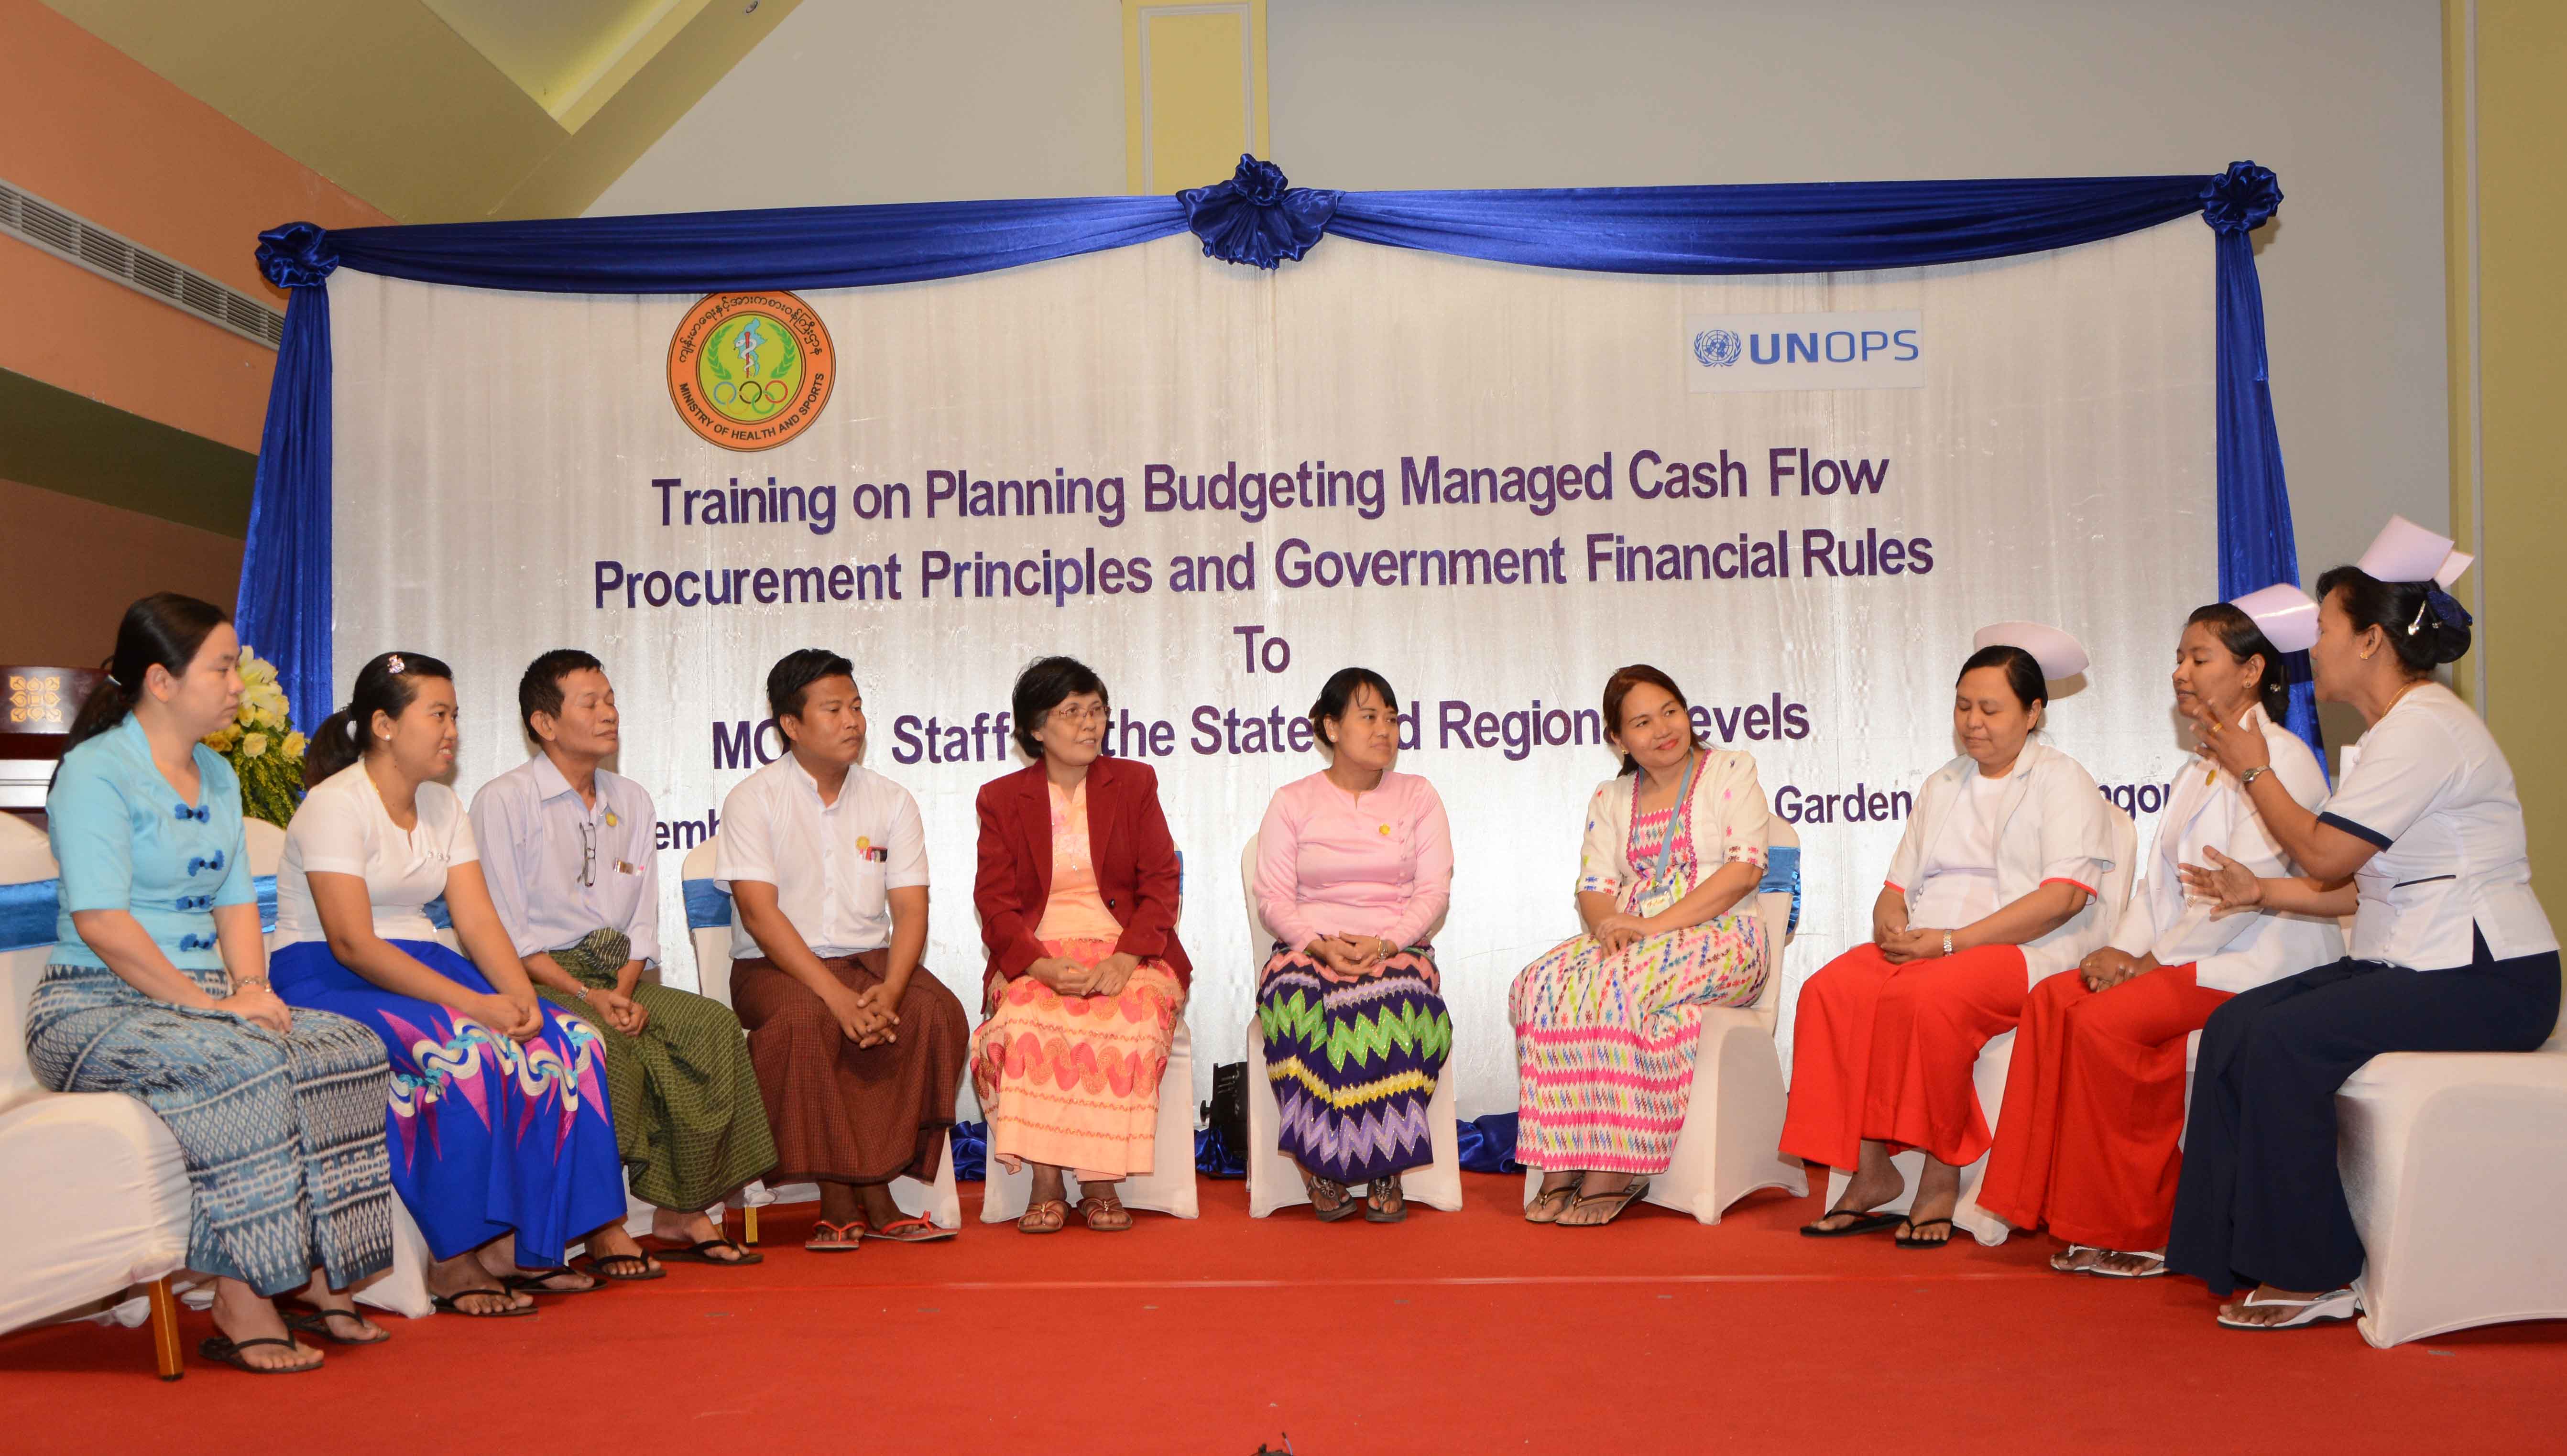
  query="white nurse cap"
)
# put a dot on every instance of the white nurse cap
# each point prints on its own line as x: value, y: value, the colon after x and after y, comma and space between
x: 2284, y: 614
x: 2060, y: 654
x: 2407, y: 552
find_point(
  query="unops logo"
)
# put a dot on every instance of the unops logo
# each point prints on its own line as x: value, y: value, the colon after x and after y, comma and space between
x: 751, y: 371
x: 1716, y: 348
x: 1742, y: 353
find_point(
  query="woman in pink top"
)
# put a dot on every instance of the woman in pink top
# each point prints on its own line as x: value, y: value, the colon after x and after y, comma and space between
x: 1354, y: 869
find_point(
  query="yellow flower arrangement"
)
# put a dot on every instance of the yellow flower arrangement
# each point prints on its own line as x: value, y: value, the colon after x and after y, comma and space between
x: 261, y: 745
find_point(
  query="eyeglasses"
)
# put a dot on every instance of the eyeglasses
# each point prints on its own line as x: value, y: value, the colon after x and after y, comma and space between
x: 588, y: 856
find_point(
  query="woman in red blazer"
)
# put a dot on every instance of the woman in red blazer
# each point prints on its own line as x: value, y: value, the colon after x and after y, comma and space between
x: 1077, y: 894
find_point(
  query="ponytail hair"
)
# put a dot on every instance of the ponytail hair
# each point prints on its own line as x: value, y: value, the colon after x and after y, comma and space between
x: 163, y: 630
x: 385, y: 685
x: 2238, y: 633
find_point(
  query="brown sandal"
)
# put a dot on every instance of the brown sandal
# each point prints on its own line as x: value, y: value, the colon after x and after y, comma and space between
x: 1548, y: 1204
x: 1105, y: 1213
x: 1044, y: 1216
x: 1385, y: 1202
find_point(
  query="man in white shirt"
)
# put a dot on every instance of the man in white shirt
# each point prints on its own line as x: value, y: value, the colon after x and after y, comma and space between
x: 571, y: 860
x: 858, y: 1053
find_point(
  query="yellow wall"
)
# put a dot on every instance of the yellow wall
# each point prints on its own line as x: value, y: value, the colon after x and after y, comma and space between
x: 2506, y: 122
x: 1193, y: 90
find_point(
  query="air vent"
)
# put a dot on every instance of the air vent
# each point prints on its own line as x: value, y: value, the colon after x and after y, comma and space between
x: 77, y: 240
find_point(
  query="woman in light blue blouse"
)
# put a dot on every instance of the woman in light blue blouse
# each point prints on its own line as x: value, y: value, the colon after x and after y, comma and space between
x: 159, y: 990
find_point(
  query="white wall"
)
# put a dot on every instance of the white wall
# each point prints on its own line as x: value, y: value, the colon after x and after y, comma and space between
x: 893, y: 101
x: 870, y: 101
x: 2342, y: 98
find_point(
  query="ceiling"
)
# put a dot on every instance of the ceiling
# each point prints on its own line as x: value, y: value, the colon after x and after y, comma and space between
x: 444, y: 111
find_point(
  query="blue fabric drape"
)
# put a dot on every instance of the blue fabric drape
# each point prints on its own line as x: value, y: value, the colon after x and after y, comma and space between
x: 707, y: 905
x: 2256, y: 546
x: 284, y: 603
x: 1253, y: 219
x: 29, y: 911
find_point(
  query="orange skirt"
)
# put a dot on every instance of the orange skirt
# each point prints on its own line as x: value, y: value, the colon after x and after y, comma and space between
x: 1072, y: 1082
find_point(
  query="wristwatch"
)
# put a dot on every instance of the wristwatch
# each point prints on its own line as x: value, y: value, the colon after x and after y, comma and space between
x: 1947, y: 943
x: 2248, y: 778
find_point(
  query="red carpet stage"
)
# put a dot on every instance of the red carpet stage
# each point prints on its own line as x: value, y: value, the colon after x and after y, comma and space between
x: 1452, y: 1332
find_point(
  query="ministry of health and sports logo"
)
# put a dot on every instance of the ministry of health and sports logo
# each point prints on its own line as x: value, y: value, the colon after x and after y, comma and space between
x: 751, y: 371
x: 1717, y: 348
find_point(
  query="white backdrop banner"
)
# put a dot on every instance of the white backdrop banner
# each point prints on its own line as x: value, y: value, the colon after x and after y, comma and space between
x: 1799, y: 495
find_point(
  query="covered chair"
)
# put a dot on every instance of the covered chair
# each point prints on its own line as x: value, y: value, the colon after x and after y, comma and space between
x: 94, y: 1202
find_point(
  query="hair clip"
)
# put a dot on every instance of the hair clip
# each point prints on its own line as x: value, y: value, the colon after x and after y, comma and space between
x: 394, y: 664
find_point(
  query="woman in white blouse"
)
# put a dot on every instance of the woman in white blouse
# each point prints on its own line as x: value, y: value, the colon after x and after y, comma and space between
x: 2423, y: 843
x: 503, y: 1144
x: 2089, y: 1141
x: 1991, y: 889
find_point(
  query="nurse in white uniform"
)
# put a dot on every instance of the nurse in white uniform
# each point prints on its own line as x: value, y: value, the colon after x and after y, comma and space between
x: 2088, y: 1144
x: 1992, y: 887
x: 2424, y: 842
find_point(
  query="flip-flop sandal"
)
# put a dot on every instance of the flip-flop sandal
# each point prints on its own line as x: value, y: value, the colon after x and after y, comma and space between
x: 228, y: 1352
x: 314, y: 1321
x: 1622, y: 1198
x: 829, y: 1238
x: 1395, y: 1213
x: 910, y: 1230
x: 1044, y: 1216
x: 1093, y: 1209
x: 453, y: 1304
x: 1540, y: 1209
x: 2325, y: 1309
x: 2067, y: 1262
x: 1864, y: 1222
x: 700, y: 1253
x: 532, y: 1282
x: 604, y: 1267
x: 1905, y: 1241
x: 2154, y: 1267
x: 1344, y: 1207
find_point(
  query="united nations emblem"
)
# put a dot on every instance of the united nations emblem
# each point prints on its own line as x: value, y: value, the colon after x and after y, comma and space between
x: 751, y: 371
x: 1718, y: 348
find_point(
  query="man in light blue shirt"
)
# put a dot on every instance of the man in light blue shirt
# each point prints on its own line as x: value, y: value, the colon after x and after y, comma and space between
x: 568, y: 849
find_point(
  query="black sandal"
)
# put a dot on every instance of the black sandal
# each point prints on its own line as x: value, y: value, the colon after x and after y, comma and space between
x: 1905, y: 1242
x: 1864, y: 1222
x: 453, y: 1304
x: 532, y: 1282
x: 1395, y: 1206
x: 224, y: 1351
x: 1344, y: 1205
x: 603, y: 1266
x: 314, y: 1321
x: 698, y: 1253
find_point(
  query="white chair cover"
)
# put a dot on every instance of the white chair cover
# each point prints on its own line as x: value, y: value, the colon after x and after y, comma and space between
x: 2456, y: 1165
x: 94, y: 1195
x: 1988, y: 1075
x: 1273, y: 1180
x: 1730, y: 1144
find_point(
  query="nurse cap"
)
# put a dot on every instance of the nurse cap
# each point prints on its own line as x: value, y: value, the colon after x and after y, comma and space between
x: 2407, y: 552
x: 2284, y: 614
x: 2060, y: 654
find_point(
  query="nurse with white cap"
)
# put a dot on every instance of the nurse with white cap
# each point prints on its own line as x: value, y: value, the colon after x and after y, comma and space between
x: 1992, y: 887
x: 2423, y: 843
x: 2090, y: 1140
